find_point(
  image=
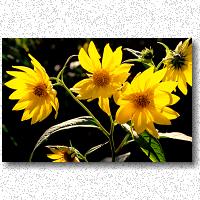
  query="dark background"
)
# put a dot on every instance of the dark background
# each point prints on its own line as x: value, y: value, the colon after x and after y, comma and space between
x: 19, y: 138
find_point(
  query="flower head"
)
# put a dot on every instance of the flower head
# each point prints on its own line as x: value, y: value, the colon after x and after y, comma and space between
x: 145, y: 101
x: 62, y: 154
x: 179, y: 65
x: 34, y: 92
x: 103, y: 79
x: 147, y: 53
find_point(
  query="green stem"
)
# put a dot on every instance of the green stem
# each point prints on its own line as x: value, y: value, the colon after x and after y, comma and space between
x: 131, y: 60
x: 159, y: 65
x: 65, y: 65
x: 86, y: 109
x: 106, y: 133
x: 124, y: 141
x: 111, y: 139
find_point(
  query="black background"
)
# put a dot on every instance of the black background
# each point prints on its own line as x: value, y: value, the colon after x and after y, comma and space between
x: 19, y: 138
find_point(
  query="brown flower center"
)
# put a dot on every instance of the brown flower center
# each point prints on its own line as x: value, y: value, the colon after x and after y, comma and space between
x: 101, y: 78
x: 40, y: 90
x: 141, y: 100
x: 178, y: 61
x: 69, y: 156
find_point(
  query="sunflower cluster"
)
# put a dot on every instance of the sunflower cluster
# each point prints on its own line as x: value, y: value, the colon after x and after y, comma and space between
x: 147, y: 98
x: 145, y: 101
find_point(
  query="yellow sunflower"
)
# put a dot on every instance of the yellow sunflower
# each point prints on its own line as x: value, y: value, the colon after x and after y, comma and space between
x: 145, y: 101
x: 62, y: 154
x: 179, y: 65
x: 34, y: 92
x: 103, y: 79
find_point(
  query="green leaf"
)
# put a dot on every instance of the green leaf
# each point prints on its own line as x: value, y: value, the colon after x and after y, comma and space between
x: 151, y: 147
x: 176, y: 135
x: 84, y: 121
x: 123, y: 157
x: 120, y: 158
x: 146, y: 63
x: 148, y: 144
x: 135, y: 53
x: 95, y: 148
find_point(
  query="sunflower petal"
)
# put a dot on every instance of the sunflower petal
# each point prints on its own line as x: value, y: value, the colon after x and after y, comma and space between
x: 85, y: 61
x: 123, y: 68
x: 46, y: 109
x: 117, y: 58
x: 36, y: 115
x: 54, y: 101
x: 124, y: 113
x: 81, y: 85
x: 94, y: 55
x: 54, y: 156
x: 169, y: 113
x: 144, y: 77
x: 104, y: 105
x: 107, y: 56
x: 151, y: 129
x: 182, y: 84
x: 165, y: 98
x: 21, y: 104
x: 188, y: 75
x: 157, y: 77
x: 26, y: 70
x: 18, y: 94
x: 139, y: 120
x: 167, y: 86
x: 36, y: 64
x: 26, y: 115
x: 119, y: 79
x: 39, y: 69
x: 158, y: 118
x: 60, y: 160
x: 85, y: 89
x: 15, y: 84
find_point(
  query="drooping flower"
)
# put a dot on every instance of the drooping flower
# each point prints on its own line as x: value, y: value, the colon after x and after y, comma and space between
x: 179, y: 65
x: 34, y: 92
x: 145, y: 101
x: 62, y: 154
x: 103, y: 79
x: 147, y: 54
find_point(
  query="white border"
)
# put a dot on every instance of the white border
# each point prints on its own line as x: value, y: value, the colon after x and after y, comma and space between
x: 107, y: 18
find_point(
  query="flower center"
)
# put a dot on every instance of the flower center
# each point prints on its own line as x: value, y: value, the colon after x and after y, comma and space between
x: 178, y: 61
x: 141, y: 100
x: 40, y: 90
x: 69, y: 157
x: 101, y: 78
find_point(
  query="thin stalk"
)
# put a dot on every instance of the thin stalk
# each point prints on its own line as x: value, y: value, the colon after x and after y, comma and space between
x: 86, y: 109
x: 106, y: 133
x: 159, y: 65
x: 122, y: 143
x: 65, y: 65
x: 111, y: 138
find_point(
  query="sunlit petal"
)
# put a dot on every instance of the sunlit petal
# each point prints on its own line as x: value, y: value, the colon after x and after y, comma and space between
x: 34, y: 91
x: 104, y: 105
x: 124, y: 113
x: 85, y: 61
